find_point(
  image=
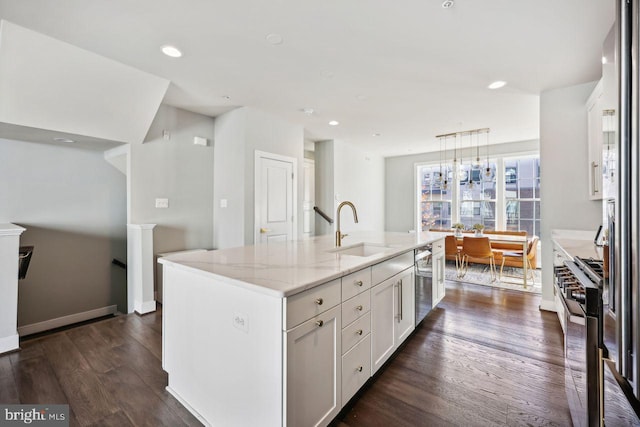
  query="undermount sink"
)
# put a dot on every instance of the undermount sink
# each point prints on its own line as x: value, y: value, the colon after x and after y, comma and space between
x: 360, y: 249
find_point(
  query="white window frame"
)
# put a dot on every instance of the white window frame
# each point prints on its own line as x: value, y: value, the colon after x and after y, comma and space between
x: 501, y: 201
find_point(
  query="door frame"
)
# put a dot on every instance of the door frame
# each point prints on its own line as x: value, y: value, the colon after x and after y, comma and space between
x: 256, y: 181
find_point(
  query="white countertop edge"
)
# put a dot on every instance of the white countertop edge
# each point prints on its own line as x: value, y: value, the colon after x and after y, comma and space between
x: 295, y: 289
x: 11, y: 230
x: 573, y: 234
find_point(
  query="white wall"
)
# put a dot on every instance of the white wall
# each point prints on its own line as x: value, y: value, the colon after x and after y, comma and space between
x: 180, y: 171
x: 564, y: 171
x: 345, y: 172
x: 73, y: 205
x: 238, y: 134
x: 400, y: 186
x: 324, y: 185
x: 229, y: 179
x: 359, y: 177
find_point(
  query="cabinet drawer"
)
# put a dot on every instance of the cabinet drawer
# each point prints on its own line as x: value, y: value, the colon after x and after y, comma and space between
x: 384, y: 270
x: 310, y: 303
x: 356, y: 368
x: 355, y: 283
x: 356, y: 307
x: 437, y: 247
x: 354, y: 333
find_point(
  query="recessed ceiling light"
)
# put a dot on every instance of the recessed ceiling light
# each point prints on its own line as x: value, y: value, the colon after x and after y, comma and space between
x: 497, y: 84
x: 274, y: 38
x: 65, y: 140
x: 334, y: 123
x: 446, y: 4
x: 171, y: 51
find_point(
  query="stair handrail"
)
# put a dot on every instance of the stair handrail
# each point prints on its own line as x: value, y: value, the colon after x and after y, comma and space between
x: 119, y: 263
x: 323, y: 215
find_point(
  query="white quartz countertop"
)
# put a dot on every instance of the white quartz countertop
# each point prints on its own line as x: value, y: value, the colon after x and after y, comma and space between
x: 578, y: 247
x: 283, y: 269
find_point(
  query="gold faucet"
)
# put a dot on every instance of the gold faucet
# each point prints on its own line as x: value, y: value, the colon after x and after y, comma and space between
x: 339, y: 235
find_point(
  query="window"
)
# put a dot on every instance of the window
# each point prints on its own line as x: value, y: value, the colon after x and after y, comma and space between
x: 478, y: 195
x: 435, y: 189
x: 522, y: 194
x: 503, y: 196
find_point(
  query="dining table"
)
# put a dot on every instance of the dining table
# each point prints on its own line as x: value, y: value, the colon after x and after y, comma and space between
x: 502, y: 238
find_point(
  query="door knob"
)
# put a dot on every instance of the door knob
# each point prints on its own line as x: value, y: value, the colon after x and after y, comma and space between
x: 264, y: 230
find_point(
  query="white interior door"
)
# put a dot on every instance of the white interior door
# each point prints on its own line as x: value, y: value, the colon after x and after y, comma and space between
x: 308, y: 197
x: 274, y: 198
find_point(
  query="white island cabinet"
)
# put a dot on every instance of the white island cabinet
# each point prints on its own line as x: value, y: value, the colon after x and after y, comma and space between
x: 282, y: 334
x: 392, y: 315
x: 439, y: 265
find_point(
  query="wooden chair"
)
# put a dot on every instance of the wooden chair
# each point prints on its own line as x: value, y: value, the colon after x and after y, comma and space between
x: 477, y: 248
x: 451, y: 251
x: 515, y: 258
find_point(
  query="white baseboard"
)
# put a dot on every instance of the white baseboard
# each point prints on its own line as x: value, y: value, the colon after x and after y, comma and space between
x: 58, y: 322
x: 145, y: 307
x: 10, y: 343
x: 547, y: 305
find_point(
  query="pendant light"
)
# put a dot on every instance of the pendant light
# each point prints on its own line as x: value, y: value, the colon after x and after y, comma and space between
x: 440, y: 141
x: 477, y: 162
x: 487, y: 170
x: 445, y: 182
x: 470, y: 171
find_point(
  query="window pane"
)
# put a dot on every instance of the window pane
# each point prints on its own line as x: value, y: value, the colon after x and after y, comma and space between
x: 522, y: 194
x: 435, y: 196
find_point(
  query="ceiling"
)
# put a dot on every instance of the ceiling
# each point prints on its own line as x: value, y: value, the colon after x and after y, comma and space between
x: 405, y: 70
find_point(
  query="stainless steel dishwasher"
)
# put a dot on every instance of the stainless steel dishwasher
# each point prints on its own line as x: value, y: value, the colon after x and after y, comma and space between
x: 424, y: 282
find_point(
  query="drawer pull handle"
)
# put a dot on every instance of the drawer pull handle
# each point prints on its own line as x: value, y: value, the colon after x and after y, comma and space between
x: 359, y: 283
x: 359, y: 331
x: 319, y: 301
x: 319, y: 323
x: 359, y: 369
x: 359, y: 308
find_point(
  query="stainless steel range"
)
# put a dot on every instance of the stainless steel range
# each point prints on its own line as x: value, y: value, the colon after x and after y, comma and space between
x: 593, y: 386
x: 580, y: 282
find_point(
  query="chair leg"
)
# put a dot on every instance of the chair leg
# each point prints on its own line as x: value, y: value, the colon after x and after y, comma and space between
x: 492, y: 267
x: 533, y: 275
x: 502, y: 268
x: 464, y: 266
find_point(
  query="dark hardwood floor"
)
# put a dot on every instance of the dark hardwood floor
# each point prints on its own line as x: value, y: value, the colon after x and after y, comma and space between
x: 484, y: 357
x: 109, y: 372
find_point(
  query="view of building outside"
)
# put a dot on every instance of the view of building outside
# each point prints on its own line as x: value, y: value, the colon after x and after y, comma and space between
x: 478, y: 195
x: 435, y: 196
x: 522, y: 194
x: 471, y: 196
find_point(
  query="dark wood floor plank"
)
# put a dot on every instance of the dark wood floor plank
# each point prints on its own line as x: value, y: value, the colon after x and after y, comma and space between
x: 37, y: 382
x: 118, y: 419
x: 138, y: 330
x: 137, y: 400
x: 95, y: 349
x: 85, y: 393
x: 8, y: 390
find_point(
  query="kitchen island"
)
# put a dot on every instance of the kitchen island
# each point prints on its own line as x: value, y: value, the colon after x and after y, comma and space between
x: 286, y: 333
